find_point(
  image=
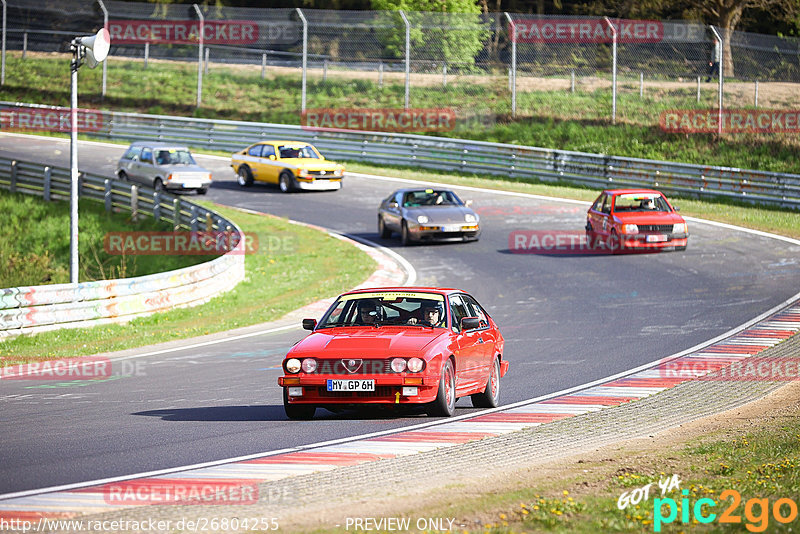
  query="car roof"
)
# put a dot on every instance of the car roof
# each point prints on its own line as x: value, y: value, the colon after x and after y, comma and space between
x: 273, y: 142
x: 629, y: 191
x: 157, y: 145
x: 412, y: 189
x: 406, y: 289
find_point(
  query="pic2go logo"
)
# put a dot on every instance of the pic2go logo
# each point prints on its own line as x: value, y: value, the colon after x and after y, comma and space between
x: 756, y: 511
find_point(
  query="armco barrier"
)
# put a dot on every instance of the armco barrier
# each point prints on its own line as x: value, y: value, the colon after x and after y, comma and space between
x: 440, y: 153
x: 50, y: 307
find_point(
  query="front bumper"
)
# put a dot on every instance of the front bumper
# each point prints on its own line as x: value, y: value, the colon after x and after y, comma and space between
x: 653, y: 241
x: 312, y: 184
x: 388, y: 389
x: 467, y: 232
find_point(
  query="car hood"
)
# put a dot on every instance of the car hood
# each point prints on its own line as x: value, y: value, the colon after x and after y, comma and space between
x: 183, y: 168
x: 371, y: 342
x: 441, y: 214
x: 311, y: 164
x: 650, y: 218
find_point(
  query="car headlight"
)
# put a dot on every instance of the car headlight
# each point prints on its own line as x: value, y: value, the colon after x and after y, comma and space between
x: 630, y: 229
x: 398, y: 365
x: 415, y: 365
x: 679, y: 228
x: 422, y: 219
x: 302, y: 172
x: 309, y: 365
x: 469, y: 217
x: 292, y: 365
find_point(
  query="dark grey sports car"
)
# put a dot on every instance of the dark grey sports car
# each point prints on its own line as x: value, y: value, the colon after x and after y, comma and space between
x: 427, y: 215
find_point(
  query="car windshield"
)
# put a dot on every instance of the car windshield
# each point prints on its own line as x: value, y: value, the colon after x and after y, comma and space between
x: 643, y: 202
x: 383, y: 308
x: 174, y: 156
x: 297, y: 151
x: 430, y: 197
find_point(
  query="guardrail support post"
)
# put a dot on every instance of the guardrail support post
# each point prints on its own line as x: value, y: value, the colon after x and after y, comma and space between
x: 47, y: 181
x: 209, y: 223
x: 13, y: 185
x: 134, y: 203
x: 107, y: 194
x: 176, y: 213
x: 157, y: 206
x: 193, y: 220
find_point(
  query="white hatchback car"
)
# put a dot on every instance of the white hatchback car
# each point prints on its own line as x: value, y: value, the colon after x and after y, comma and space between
x: 163, y: 166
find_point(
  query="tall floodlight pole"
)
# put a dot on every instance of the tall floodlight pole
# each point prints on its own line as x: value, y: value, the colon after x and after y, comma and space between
x: 91, y: 50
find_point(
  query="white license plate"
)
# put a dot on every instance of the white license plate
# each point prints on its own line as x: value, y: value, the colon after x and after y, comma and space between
x: 451, y: 228
x: 191, y: 185
x: 351, y: 385
x: 656, y: 238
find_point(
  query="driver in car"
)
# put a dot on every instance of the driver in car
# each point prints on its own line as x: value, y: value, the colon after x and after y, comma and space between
x: 368, y: 312
x: 430, y: 315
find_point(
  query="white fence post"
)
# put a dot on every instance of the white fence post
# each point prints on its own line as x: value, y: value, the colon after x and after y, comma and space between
x: 408, y: 56
x: 105, y: 63
x: 721, y: 88
x: 613, y: 71
x: 512, y: 30
x: 305, y: 59
x: 200, y: 55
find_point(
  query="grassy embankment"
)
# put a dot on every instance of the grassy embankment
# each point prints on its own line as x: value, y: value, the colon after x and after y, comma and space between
x: 292, y: 266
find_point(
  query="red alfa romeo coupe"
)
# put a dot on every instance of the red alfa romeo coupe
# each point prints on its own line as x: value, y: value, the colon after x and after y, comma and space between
x: 400, y: 345
x: 635, y: 219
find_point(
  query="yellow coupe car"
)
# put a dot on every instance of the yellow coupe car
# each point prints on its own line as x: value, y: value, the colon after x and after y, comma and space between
x: 292, y: 165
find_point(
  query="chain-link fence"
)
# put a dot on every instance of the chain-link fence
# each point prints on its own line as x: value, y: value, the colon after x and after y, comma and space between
x: 477, y: 66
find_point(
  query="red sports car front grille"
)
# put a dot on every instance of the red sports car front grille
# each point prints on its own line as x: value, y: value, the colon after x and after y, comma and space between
x: 343, y: 367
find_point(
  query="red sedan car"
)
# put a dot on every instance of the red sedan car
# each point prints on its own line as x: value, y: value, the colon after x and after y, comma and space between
x: 635, y: 219
x: 401, y: 345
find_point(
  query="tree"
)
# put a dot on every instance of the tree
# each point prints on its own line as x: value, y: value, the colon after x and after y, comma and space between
x: 451, y: 31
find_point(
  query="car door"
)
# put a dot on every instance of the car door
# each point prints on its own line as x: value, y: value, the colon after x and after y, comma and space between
x: 392, y: 215
x: 143, y: 167
x: 599, y: 215
x: 486, y: 337
x: 467, y: 348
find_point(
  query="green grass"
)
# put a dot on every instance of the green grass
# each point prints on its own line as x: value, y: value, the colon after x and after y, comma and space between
x: 293, y: 266
x: 546, y: 118
x: 38, y: 252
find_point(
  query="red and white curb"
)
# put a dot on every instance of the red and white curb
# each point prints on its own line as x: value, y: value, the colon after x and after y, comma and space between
x: 93, y: 497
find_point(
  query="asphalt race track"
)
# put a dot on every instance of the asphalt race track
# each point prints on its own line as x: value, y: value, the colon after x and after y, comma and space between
x: 567, y: 320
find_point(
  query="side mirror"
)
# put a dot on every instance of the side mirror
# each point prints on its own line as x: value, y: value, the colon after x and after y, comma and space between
x: 470, y: 323
x: 272, y: 157
x: 468, y: 203
x: 309, y: 324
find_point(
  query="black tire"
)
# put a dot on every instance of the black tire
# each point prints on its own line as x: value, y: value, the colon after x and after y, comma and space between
x: 158, y: 185
x: 680, y: 248
x: 489, y: 397
x: 286, y: 182
x: 382, y: 229
x: 445, y: 403
x: 202, y: 191
x: 300, y: 412
x: 245, y: 177
x: 405, y: 237
x: 123, y: 176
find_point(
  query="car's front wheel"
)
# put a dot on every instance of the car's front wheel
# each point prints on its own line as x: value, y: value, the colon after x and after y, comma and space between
x: 302, y: 412
x: 158, y: 185
x: 382, y: 229
x: 123, y: 176
x: 405, y: 236
x: 285, y: 182
x: 445, y: 403
x: 489, y: 397
x: 245, y: 177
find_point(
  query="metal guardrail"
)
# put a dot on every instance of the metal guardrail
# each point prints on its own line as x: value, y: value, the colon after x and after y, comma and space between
x: 41, y: 308
x: 455, y: 155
